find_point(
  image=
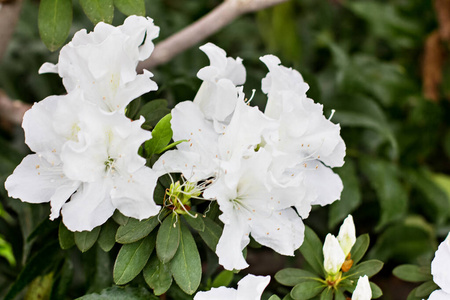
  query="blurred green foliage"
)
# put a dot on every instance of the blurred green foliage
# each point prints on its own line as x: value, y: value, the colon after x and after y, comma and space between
x: 362, y: 58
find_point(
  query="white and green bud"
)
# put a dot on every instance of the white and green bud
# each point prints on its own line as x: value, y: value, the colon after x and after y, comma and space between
x: 333, y: 255
x: 347, y: 235
x: 362, y: 290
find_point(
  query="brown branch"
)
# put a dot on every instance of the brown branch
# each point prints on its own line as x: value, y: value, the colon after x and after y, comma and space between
x: 218, y: 18
x: 9, y: 15
x: 11, y: 111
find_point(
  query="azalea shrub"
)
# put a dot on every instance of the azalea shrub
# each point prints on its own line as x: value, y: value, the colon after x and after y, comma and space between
x: 174, y: 183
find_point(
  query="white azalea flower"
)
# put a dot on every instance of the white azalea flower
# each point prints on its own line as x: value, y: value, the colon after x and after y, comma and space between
x: 103, y: 63
x: 218, y: 94
x: 347, y: 235
x: 250, y: 287
x: 333, y: 255
x: 87, y: 154
x: 439, y: 269
x: 362, y: 290
x: 249, y: 207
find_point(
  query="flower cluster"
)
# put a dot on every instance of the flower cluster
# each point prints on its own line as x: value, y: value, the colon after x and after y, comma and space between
x: 439, y: 269
x: 259, y: 166
x: 86, y: 148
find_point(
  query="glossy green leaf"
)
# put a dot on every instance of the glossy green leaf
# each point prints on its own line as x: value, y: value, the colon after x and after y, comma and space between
x: 359, y: 248
x: 120, y: 219
x: 132, y: 258
x: 307, y: 290
x: 274, y: 297
x: 135, y: 230
x: 86, y: 239
x: 6, y: 251
x: 131, y: 7
x: 132, y: 109
x: 211, y: 234
x: 98, y: 10
x: 350, y: 196
x: 196, y: 223
x: 186, y: 266
x: 66, y: 237
x: 161, y: 136
x: 425, y: 289
x: 376, y: 291
x: 154, y: 111
x: 157, y: 275
x: 120, y: 293
x: 168, y: 238
x: 106, y: 239
x: 327, y: 294
x: 369, y: 268
x: 413, y: 273
x: 312, y: 251
x: 223, y: 279
x: 392, y: 195
x: 292, y: 276
x: 54, y: 22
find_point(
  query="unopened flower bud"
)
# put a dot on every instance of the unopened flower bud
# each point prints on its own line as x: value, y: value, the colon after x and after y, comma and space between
x: 362, y: 290
x: 334, y: 257
x: 347, y: 235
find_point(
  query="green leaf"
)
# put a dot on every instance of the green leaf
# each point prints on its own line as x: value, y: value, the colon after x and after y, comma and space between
x: 369, y: 268
x: 350, y: 196
x: 6, y: 251
x: 38, y: 265
x: 171, y: 145
x: 40, y: 287
x: 107, y: 239
x: 135, y: 230
x: 153, y: 111
x: 131, y: 7
x: 98, y: 10
x: 274, y: 297
x: 223, y: 279
x: 132, y: 109
x: 425, y: 289
x: 63, y: 280
x: 376, y: 291
x: 196, y: 223
x: 312, y: 251
x: 327, y: 294
x: 120, y: 293
x: 292, y: 276
x: 54, y: 22
x: 157, y: 275
x: 307, y: 290
x: 86, y: 239
x: 413, y: 273
x: 120, y: 219
x: 359, y: 248
x: 66, y: 237
x: 168, y: 238
x: 161, y: 136
x: 391, y: 193
x: 211, y: 234
x: 339, y: 295
x: 132, y: 258
x: 288, y: 297
x: 186, y: 265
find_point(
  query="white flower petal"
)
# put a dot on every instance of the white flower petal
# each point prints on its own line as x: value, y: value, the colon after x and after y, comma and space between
x: 323, y: 184
x: 89, y: 207
x: 36, y: 181
x: 132, y: 195
x: 220, y: 293
x: 439, y: 295
x: 251, y: 287
x: 441, y: 265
